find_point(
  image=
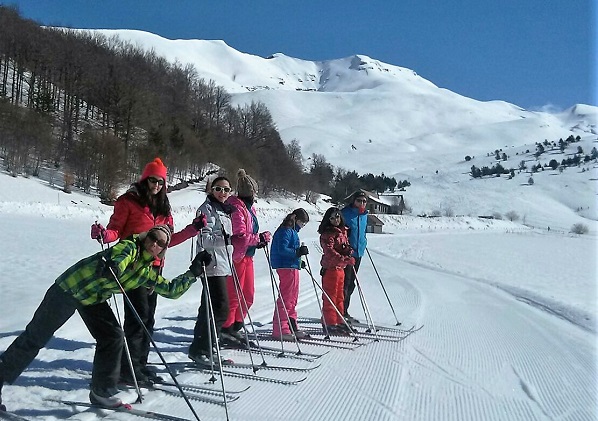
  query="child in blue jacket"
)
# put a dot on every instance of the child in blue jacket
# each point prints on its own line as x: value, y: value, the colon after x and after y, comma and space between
x: 286, y: 252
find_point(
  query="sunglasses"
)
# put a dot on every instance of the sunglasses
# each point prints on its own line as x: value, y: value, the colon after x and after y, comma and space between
x: 153, y: 238
x: 335, y: 216
x: 361, y: 200
x: 221, y: 189
x: 155, y: 180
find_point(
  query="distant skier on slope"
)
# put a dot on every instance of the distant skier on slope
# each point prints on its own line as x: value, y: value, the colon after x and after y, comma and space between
x: 86, y: 287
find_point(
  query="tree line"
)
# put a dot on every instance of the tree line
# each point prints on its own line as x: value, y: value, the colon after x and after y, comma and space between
x: 339, y: 183
x: 541, y: 148
x: 99, y: 108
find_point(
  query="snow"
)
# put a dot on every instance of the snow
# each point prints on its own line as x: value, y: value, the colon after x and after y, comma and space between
x: 508, y: 314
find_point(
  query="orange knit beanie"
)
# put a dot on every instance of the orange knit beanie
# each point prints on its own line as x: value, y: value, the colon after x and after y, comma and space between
x: 155, y: 168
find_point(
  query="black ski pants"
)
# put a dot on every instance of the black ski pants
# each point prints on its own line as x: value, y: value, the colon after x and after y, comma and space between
x: 349, y: 286
x: 144, y: 301
x: 219, y: 299
x: 55, y: 310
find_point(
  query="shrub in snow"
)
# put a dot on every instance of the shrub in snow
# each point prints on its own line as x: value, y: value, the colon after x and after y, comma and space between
x: 449, y: 212
x: 579, y: 229
x: 69, y: 180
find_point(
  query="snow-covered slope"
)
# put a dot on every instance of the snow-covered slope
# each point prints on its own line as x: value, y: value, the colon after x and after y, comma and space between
x: 330, y: 106
x: 508, y: 315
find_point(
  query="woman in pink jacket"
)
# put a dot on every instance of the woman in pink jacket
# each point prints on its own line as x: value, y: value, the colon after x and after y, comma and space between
x: 245, y: 240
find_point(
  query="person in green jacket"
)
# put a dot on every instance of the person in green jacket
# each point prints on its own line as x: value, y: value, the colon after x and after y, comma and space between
x: 86, y: 287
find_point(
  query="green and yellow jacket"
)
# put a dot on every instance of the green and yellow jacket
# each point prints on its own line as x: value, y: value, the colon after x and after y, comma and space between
x: 90, y: 280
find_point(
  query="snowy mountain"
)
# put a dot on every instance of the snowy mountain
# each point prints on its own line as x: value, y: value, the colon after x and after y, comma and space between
x: 330, y: 106
x: 372, y: 117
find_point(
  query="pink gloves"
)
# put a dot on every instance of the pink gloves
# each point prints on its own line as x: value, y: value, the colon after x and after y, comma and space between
x: 265, y: 237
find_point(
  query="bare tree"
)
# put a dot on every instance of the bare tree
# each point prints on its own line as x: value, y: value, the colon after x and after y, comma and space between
x: 512, y: 216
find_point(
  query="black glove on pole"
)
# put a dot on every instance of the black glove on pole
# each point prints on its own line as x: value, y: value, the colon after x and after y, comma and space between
x: 302, y: 251
x: 202, y: 259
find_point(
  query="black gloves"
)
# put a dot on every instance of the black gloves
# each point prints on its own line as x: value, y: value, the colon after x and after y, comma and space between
x: 261, y: 245
x: 202, y: 259
x: 302, y: 251
x: 346, y: 250
x: 303, y: 264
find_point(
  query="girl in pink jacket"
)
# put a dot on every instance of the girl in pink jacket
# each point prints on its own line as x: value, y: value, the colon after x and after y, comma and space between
x: 336, y: 256
x: 245, y: 239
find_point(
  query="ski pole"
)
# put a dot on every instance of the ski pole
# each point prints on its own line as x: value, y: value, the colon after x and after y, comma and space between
x: 243, y: 306
x: 212, y: 331
x: 351, y: 332
x: 273, y: 280
x: 128, y: 352
x: 313, y: 283
x: 138, y: 317
x: 126, y: 343
x: 383, y: 288
x: 364, y: 303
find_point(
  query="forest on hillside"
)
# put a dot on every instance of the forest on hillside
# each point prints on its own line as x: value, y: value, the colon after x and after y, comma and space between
x: 100, y: 108
x: 97, y: 109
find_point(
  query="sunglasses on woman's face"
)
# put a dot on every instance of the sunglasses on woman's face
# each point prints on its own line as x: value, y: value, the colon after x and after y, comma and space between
x: 154, y: 238
x: 335, y: 216
x: 155, y: 180
x: 221, y: 189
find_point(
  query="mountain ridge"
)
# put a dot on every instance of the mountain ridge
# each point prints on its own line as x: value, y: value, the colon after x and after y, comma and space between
x: 371, y: 117
x: 340, y: 107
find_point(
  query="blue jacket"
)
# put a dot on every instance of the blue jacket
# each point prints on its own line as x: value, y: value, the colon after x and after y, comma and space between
x: 357, y: 224
x: 283, y: 249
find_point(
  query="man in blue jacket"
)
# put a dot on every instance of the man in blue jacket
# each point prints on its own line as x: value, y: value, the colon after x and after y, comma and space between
x: 356, y: 219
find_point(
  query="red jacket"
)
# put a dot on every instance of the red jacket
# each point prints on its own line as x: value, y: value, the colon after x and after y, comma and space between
x: 335, y: 248
x: 129, y: 217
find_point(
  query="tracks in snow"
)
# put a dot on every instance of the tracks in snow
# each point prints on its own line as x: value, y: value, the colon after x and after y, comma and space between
x: 492, y: 356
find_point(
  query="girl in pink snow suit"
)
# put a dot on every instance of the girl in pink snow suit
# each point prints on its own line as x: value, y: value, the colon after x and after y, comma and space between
x: 245, y: 240
x: 285, y: 257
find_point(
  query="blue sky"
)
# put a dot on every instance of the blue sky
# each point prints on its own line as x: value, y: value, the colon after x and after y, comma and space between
x: 533, y: 53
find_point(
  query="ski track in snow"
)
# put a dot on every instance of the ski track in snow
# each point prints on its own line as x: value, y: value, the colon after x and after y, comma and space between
x: 493, y: 336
